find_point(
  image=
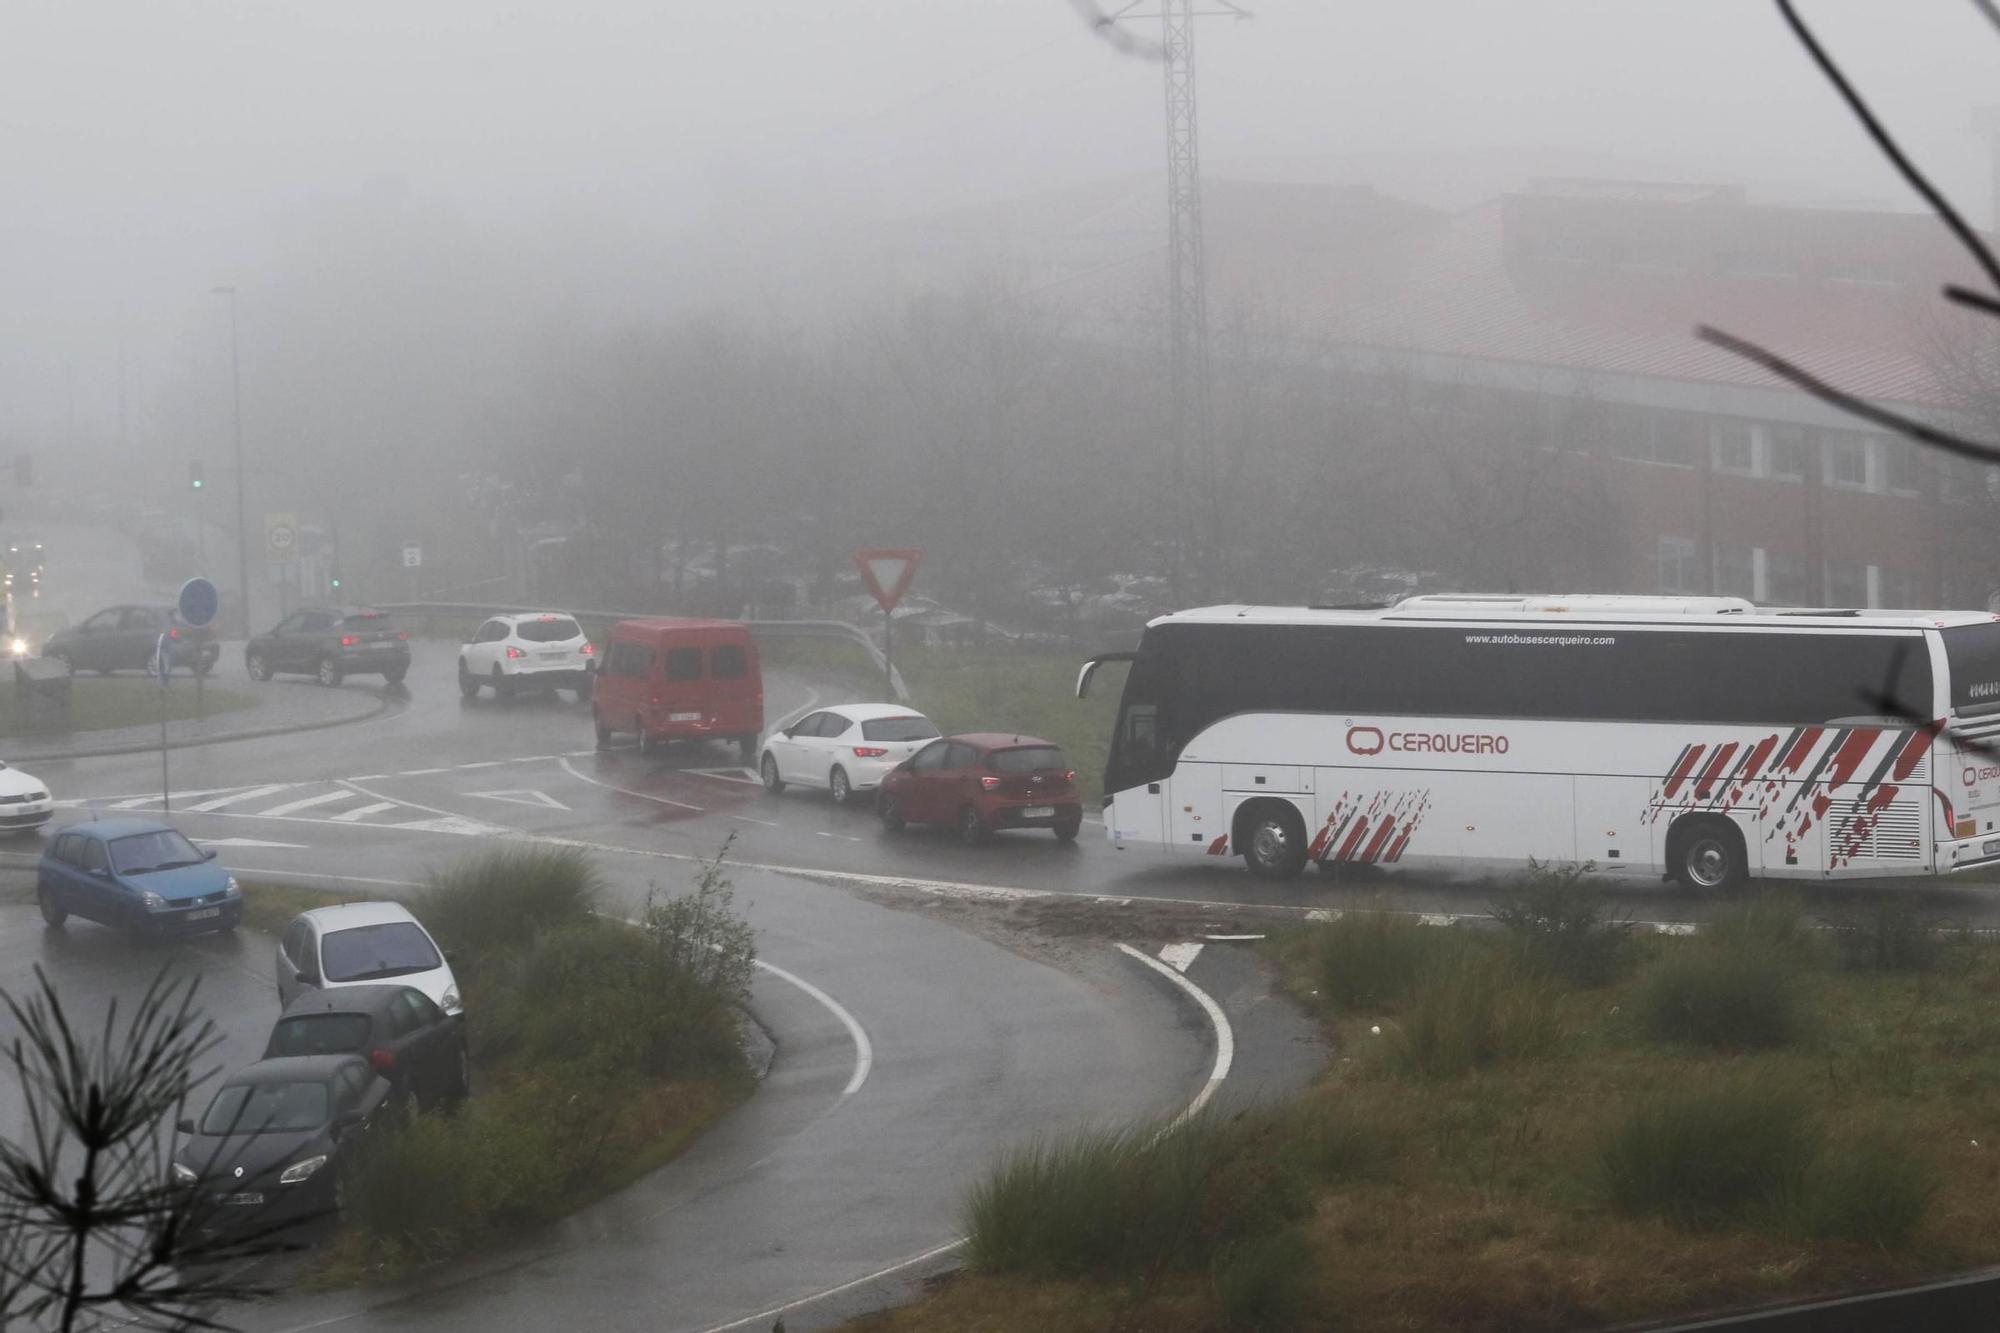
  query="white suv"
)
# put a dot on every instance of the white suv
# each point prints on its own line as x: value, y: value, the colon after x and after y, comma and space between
x: 539, y: 649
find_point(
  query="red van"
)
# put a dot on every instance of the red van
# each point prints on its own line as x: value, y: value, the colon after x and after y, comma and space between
x: 670, y: 680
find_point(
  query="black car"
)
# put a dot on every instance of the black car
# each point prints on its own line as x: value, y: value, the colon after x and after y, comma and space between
x: 127, y: 638
x: 402, y: 1033
x: 331, y: 642
x: 265, y: 1154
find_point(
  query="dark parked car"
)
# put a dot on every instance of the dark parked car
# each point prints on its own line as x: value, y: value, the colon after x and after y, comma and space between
x: 983, y: 782
x: 402, y: 1034
x: 266, y: 1153
x: 126, y: 638
x: 136, y: 875
x: 332, y: 643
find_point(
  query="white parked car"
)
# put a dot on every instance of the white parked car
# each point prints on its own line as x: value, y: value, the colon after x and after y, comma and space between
x: 24, y: 801
x: 537, y: 649
x: 846, y: 749
x: 363, y: 944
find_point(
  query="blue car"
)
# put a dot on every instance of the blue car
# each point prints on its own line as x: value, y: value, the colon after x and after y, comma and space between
x: 138, y: 876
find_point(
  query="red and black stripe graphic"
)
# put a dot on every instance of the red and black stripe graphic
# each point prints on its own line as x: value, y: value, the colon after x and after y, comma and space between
x: 1370, y: 829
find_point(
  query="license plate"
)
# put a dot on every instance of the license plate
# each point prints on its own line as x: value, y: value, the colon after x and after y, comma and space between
x: 683, y: 717
x: 204, y: 913
x: 243, y: 1199
x: 1038, y: 812
x: 555, y: 656
x: 1992, y: 847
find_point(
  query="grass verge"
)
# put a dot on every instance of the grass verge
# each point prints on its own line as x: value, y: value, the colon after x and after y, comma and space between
x: 1524, y: 1146
x: 99, y: 703
x: 599, y: 1049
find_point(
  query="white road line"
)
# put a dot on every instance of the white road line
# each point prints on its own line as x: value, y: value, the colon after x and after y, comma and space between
x: 484, y: 763
x: 570, y: 769
x: 864, y: 1050
x: 419, y: 772
x: 1225, y: 1038
x: 749, y: 819
x: 427, y: 809
x: 362, y: 811
x: 1180, y: 957
x: 777, y: 1310
x: 372, y: 777
x: 310, y: 877
x: 253, y: 794
x: 324, y: 798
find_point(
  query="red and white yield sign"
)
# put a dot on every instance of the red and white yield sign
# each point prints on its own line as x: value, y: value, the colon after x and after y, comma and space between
x: 888, y: 574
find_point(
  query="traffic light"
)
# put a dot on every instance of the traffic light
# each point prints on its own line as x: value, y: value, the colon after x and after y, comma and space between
x: 195, y: 479
x: 24, y: 469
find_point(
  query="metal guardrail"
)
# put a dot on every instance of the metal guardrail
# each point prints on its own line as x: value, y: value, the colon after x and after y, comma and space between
x: 436, y: 615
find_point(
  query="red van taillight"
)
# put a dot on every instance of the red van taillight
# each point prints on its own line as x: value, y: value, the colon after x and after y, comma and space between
x: 173, y: 634
x: 869, y: 752
x: 384, y: 1061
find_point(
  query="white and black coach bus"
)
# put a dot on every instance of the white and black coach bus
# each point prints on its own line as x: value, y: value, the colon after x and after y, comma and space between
x: 1702, y: 739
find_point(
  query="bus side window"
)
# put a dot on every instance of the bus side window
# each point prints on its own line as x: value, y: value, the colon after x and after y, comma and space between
x: 1142, y: 732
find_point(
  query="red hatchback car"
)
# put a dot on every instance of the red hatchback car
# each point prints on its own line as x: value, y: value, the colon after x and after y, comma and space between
x: 981, y: 783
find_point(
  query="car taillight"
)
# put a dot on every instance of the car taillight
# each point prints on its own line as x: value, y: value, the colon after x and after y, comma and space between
x: 1070, y: 776
x: 588, y: 650
x: 384, y: 1061
x: 991, y: 784
x: 173, y: 634
x: 513, y: 652
x: 403, y: 634
x: 349, y: 640
x: 869, y: 752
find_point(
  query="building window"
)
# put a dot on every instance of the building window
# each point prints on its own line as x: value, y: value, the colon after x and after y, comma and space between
x: 1678, y: 569
x: 1898, y: 464
x: 1736, y: 571
x: 1790, y: 452
x: 1791, y: 580
x: 1846, y: 583
x: 1847, y: 461
x: 1732, y: 447
x: 1677, y: 438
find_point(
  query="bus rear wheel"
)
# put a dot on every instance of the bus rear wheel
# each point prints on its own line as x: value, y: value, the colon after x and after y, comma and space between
x: 1705, y: 855
x: 1272, y: 838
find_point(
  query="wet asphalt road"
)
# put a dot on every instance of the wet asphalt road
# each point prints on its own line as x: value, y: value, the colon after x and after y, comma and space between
x: 854, y: 1154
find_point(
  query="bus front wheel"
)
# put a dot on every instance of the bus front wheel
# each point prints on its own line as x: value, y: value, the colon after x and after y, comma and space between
x: 1705, y: 855
x: 1272, y: 838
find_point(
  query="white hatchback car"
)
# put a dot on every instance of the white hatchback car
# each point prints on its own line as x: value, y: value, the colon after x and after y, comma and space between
x: 538, y: 649
x: 845, y: 749
x: 363, y: 944
x: 24, y: 801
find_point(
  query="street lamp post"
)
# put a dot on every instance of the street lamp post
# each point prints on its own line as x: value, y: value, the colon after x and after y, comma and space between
x: 236, y: 412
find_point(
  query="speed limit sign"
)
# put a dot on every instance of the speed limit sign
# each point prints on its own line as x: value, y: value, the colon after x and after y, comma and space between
x: 281, y: 538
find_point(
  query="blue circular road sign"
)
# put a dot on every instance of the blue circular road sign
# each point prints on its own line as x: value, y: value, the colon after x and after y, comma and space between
x: 199, y: 602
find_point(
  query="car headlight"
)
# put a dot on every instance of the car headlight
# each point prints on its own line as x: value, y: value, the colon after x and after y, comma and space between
x: 302, y: 1170
x: 451, y: 1000
x: 38, y: 796
x: 19, y: 647
x: 151, y: 899
x: 184, y: 1175
x: 232, y: 888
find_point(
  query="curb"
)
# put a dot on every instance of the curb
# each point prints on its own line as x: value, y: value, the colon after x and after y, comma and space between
x: 189, y: 742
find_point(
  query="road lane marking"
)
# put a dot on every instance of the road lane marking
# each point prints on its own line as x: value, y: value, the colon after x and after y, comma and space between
x: 252, y: 794
x: 324, y: 798
x: 1180, y: 957
x: 864, y: 1050
x: 1225, y: 1038
x: 362, y: 811
x: 251, y: 842
x: 752, y: 819
x: 571, y: 769
x: 789, y: 1306
x: 419, y: 772
x: 134, y: 802
x: 484, y: 763
x: 539, y: 799
x: 742, y: 775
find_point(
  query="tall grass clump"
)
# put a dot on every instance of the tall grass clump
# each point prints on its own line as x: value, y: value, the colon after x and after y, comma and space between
x: 1889, y: 934
x: 1264, y: 1282
x: 1369, y: 961
x: 1873, y: 1190
x: 1739, y: 1152
x: 1557, y: 919
x: 1736, y: 986
x: 1476, y: 1010
x: 1136, y: 1203
x: 500, y: 900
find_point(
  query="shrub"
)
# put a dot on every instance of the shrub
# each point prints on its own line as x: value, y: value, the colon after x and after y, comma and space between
x: 498, y: 901
x: 1887, y: 935
x: 700, y: 936
x: 1737, y: 992
x: 1773, y: 926
x: 1329, y: 1141
x: 1872, y: 1190
x: 1737, y: 1152
x: 1134, y: 1203
x: 1368, y: 961
x: 1475, y: 1010
x: 1264, y: 1281
x: 1558, y: 920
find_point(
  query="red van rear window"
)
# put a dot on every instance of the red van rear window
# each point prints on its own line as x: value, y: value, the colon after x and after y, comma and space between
x: 728, y: 662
